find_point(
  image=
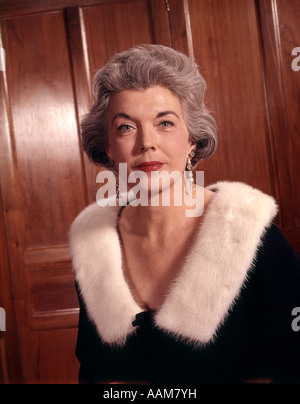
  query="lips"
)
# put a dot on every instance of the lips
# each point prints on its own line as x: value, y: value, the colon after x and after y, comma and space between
x: 150, y: 166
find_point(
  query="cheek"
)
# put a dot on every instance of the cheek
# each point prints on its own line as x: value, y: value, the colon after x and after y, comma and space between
x: 179, y: 146
x: 120, y: 151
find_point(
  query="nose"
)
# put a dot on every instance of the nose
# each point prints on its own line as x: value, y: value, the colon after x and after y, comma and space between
x: 145, y: 148
x: 148, y: 139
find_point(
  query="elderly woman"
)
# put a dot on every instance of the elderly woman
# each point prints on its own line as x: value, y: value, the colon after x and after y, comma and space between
x: 164, y: 297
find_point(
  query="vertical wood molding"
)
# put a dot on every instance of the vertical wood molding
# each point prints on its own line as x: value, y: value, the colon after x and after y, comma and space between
x: 160, y: 22
x: 180, y: 27
x: 81, y: 79
x: 188, y: 29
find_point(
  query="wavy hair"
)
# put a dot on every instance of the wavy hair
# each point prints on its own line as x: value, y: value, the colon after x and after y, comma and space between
x: 139, y: 68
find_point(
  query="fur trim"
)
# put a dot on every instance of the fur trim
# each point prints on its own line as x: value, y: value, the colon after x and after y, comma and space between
x: 208, y: 284
x: 96, y: 254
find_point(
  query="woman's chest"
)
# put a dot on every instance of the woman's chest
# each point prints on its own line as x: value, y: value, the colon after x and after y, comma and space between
x: 149, y: 271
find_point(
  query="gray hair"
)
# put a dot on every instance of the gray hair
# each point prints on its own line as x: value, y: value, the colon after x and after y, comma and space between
x: 139, y: 68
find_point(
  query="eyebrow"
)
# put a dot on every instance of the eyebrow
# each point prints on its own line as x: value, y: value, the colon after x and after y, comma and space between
x: 159, y: 115
x: 122, y: 115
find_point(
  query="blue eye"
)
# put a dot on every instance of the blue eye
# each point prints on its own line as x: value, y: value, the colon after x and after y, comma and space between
x: 166, y: 124
x: 124, y: 127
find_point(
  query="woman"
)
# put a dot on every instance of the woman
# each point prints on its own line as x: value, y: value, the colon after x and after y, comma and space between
x: 165, y: 297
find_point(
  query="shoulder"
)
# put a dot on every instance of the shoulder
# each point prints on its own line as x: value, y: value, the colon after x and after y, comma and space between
x: 275, y: 244
x: 246, y: 215
x: 279, y: 263
x: 239, y: 215
x: 93, y: 239
x: 92, y: 217
x: 241, y: 197
x: 93, y: 227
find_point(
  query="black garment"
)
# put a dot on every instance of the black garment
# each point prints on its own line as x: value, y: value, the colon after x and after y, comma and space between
x: 255, y: 341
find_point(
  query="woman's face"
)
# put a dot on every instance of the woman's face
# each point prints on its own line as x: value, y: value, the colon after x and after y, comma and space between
x: 147, y: 131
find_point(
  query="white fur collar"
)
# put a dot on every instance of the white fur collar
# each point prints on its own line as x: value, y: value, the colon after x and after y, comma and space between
x: 208, y: 284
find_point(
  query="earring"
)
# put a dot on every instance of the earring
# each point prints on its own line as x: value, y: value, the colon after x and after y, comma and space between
x: 115, y: 172
x: 188, y: 184
x: 117, y: 185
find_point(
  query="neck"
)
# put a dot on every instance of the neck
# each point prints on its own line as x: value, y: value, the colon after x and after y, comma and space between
x: 159, y: 222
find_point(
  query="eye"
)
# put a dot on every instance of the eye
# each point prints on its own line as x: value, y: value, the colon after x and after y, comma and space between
x: 124, y: 127
x: 166, y: 124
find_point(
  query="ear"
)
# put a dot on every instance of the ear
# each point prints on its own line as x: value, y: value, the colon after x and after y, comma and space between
x: 108, y: 152
x: 192, y: 147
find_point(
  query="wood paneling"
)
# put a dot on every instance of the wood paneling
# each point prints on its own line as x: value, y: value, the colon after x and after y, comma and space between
x: 53, y: 49
x: 51, y: 56
x: 46, y: 140
x: 52, y: 360
x: 10, y: 360
x: 47, y: 188
x: 288, y: 24
x: 227, y: 48
x: 280, y: 34
x: 10, y: 365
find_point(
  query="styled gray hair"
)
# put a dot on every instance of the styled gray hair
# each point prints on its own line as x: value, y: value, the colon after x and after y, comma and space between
x: 139, y: 68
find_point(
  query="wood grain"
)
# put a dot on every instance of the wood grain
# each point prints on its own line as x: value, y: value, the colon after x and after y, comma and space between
x: 53, y: 49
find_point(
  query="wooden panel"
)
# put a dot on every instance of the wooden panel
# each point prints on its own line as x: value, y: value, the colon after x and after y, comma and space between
x: 289, y: 17
x: 10, y: 366
x: 53, y: 363
x: 45, y: 129
x: 280, y: 33
x: 115, y: 27
x: 47, y: 255
x: 52, y: 287
x: 227, y: 48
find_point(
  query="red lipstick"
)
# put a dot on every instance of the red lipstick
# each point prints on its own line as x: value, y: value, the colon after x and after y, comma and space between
x: 147, y: 166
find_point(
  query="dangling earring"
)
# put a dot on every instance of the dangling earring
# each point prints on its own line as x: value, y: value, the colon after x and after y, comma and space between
x: 117, y: 185
x: 115, y: 172
x: 189, y: 180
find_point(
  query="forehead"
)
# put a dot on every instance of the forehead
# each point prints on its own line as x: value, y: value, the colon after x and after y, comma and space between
x: 150, y: 101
